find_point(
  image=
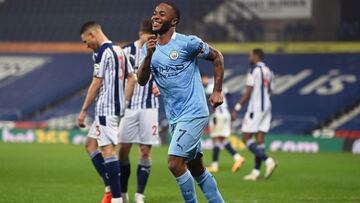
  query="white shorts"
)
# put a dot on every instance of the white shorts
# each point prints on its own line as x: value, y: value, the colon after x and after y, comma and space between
x: 256, y: 121
x: 139, y: 126
x: 220, y: 125
x: 105, y: 130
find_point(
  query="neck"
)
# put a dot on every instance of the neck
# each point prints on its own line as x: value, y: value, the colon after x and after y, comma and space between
x: 166, y: 37
x: 139, y: 42
x: 102, y: 39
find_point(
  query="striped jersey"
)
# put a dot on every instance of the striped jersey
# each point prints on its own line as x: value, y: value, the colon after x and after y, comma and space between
x: 260, y: 77
x: 112, y: 65
x: 223, y: 108
x: 142, y: 98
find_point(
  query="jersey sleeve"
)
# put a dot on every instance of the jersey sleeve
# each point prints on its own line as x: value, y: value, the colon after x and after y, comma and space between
x: 100, y: 67
x: 271, y: 87
x: 128, y: 64
x: 196, y: 47
x: 250, y: 79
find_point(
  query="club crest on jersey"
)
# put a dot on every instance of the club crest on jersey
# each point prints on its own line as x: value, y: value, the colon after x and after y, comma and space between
x: 174, y: 55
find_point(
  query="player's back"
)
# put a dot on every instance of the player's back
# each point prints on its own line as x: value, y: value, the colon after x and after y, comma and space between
x: 142, y: 95
x: 110, y: 64
x: 176, y: 73
x: 262, y: 78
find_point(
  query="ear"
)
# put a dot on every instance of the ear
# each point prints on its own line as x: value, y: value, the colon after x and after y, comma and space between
x: 174, y: 22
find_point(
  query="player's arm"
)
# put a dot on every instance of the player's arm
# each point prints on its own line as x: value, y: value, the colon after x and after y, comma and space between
x: 246, y: 96
x: 143, y: 74
x: 93, y: 91
x: 130, y: 86
x: 216, y: 98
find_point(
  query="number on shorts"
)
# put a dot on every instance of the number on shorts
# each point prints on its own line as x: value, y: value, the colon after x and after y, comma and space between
x: 182, y: 131
x: 154, y: 130
x: 98, y: 132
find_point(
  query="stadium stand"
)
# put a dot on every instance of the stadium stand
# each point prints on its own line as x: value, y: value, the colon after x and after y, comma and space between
x: 309, y: 88
x: 53, y: 20
x: 28, y: 93
x: 353, y: 124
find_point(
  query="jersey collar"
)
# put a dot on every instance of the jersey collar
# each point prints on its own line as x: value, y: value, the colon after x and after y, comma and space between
x: 260, y: 64
x: 174, y: 35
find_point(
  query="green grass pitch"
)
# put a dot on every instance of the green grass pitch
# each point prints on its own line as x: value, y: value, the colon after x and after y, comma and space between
x: 63, y: 173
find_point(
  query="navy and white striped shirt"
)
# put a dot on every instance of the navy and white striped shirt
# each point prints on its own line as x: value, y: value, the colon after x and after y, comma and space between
x: 142, y: 98
x: 111, y: 64
x: 260, y: 77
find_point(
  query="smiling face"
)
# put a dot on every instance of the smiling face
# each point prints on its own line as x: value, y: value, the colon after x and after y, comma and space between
x: 163, y: 18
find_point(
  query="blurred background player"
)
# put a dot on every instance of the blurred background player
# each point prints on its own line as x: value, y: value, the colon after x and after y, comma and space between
x: 258, y: 115
x: 107, y: 89
x: 171, y: 58
x: 220, y: 129
x: 140, y: 122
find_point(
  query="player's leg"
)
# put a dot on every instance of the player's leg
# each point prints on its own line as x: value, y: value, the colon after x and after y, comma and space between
x: 186, y: 143
x: 247, y: 139
x: 264, y: 127
x: 128, y: 134
x: 91, y: 147
x: 125, y: 169
x: 143, y: 171
x: 148, y: 136
x: 214, y: 167
x: 108, y: 140
x: 269, y: 162
x: 223, y: 133
x: 238, y: 159
x: 217, y: 144
x: 205, y: 180
x: 112, y: 169
x: 182, y: 147
x: 177, y: 166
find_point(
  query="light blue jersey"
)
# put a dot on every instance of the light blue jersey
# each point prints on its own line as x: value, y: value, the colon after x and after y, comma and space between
x: 174, y: 67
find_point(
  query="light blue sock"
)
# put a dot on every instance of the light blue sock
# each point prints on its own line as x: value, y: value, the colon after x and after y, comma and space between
x: 208, y: 186
x: 187, y: 187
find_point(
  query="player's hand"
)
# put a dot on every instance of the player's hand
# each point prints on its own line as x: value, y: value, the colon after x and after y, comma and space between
x: 81, y: 119
x: 155, y: 91
x: 216, y: 99
x: 234, y: 115
x: 151, y: 44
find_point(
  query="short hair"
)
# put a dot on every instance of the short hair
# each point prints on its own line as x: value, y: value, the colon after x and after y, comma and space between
x: 146, y: 26
x: 175, y: 9
x: 259, y: 52
x: 88, y: 25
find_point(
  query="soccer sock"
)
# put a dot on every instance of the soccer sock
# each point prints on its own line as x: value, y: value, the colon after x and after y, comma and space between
x: 112, y: 168
x: 257, y: 163
x: 216, y: 152
x: 124, y: 175
x: 261, y: 149
x: 98, y: 162
x: 187, y: 187
x: 143, y: 172
x: 260, y: 153
x: 208, y: 186
x: 229, y: 148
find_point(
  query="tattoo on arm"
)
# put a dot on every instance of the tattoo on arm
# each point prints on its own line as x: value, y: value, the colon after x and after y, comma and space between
x: 218, y: 60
